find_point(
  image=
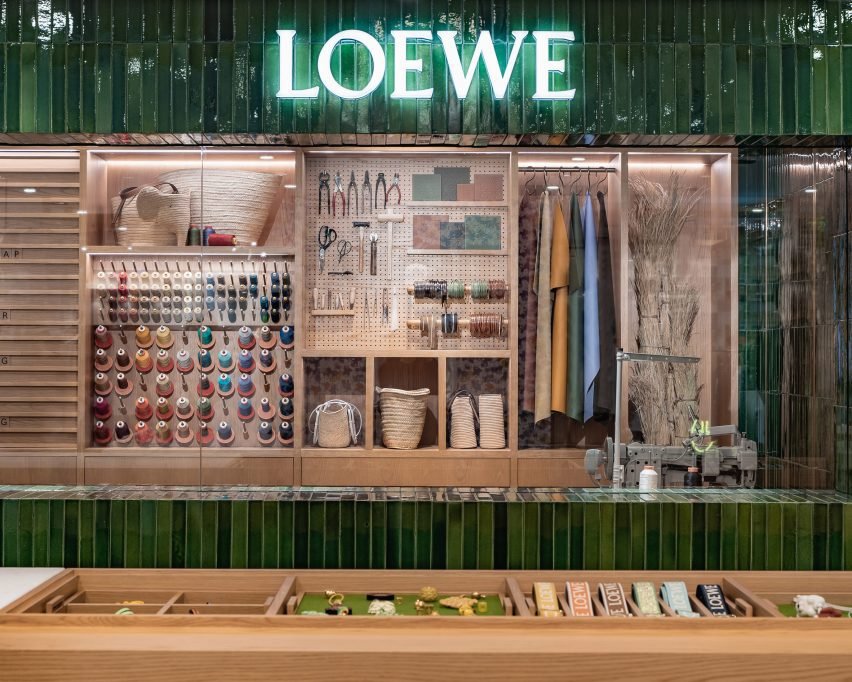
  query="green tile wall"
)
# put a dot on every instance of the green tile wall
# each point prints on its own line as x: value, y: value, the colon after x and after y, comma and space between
x: 645, y: 70
x: 790, y: 533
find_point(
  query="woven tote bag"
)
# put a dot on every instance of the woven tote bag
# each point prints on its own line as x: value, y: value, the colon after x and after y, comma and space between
x: 403, y: 416
x: 462, y: 411
x: 335, y: 424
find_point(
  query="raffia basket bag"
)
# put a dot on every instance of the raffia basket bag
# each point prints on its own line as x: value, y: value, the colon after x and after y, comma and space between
x: 403, y: 416
x: 151, y: 215
x: 462, y: 420
x: 335, y: 424
x: 233, y: 202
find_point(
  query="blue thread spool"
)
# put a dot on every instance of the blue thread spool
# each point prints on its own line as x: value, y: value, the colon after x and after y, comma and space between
x: 225, y: 384
x: 274, y: 278
x: 285, y: 408
x: 205, y: 360
x: 285, y: 385
x: 287, y: 336
x: 245, y: 386
x: 245, y: 411
x: 246, y: 362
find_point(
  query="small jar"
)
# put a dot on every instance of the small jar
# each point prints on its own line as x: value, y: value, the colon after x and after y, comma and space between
x: 692, y: 478
x: 648, y: 478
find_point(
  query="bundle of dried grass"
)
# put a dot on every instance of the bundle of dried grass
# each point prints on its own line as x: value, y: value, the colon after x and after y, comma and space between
x: 667, y: 309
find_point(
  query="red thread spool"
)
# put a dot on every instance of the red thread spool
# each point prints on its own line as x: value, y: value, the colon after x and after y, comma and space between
x: 221, y: 240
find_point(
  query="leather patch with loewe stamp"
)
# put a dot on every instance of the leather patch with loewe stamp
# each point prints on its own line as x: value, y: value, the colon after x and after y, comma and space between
x: 546, y: 600
x: 612, y: 596
x: 579, y: 599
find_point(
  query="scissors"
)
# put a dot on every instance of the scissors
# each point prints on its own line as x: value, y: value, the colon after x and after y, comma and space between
x: 343, y: 248
x: 326, y: 237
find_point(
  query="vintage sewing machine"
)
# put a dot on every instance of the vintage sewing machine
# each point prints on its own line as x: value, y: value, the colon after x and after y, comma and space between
x: 732, y: 465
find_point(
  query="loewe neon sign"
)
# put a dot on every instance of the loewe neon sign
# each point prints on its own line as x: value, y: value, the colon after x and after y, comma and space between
x: 460, y: 77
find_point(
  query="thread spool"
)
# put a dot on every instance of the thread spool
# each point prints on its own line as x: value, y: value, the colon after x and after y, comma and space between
x: 183, y: 434
x: 205, y: 337
x: 102, y: 409
x: 285, y: 385
x: 185, y: 363
x: 103, y: 386
x: 267, y: 339
x: 102, y: 434
x: 164, y: 387
x: 224, y: 386
x: 143, y: 337
x: 285, y: 433
x: 165, y: 364
x: 204, y: 409
x: 224, y: 433
x: 123, y: 385
x: 205, y: 360
x: 245, y: 386
x: 287, y: 337
x: 265, y: 410
x: 205, y: 435
x: 164, y: 411
x: 267, y: 362
x: 143, y: 409
x: 184, y: 409
x: 265, y: 435
x: 204, y: 387
x: 218, y: 239
x: 123, y: 362
x: 245, y: 411
x: 143, y: 433
x: 163, y: 433
x: 123, y: 434
x: 164, y: 337
x: 103, y: 362
x: 285, y: 409
x: 246, y: 362
x: 245, y: 338
x: 225, y: 361
x: 144, y: 363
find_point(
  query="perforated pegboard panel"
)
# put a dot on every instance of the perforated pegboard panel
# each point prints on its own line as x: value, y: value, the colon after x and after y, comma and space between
x: 366, y: 329
x: 184, y: 332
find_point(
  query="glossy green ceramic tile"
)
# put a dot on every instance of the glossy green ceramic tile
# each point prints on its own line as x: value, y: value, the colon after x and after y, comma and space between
x: 592, y: 531
x: 163, y: 552
x: 531, y: 536
x: 728, y: 528
x: 684, y: 537
x: 132, y: 536
x: 485, y: 534
x: 101, y: 548
x: 224, y: 534
x: 515, y: 536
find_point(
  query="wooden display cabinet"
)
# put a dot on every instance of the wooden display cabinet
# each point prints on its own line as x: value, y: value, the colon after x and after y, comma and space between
x: 240, y: 623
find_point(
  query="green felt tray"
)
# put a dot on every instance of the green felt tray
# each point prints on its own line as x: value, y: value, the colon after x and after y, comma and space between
x: 359, y: 605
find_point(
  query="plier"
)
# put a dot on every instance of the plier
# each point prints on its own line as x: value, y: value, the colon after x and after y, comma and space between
x: 323, y: 183
x: 381, y: 181
x: 338, y: 191
x: 367, y: 194
x: 351, y: 188
x: 394, y: 186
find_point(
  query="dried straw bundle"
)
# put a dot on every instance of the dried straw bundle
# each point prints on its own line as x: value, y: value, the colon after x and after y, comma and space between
x: 667, y: 309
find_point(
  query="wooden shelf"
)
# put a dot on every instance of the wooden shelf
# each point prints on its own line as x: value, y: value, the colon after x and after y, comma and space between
x: 198, y: 251
x: 456, y: 204
x: 405, y: 353
x: 457, y: 252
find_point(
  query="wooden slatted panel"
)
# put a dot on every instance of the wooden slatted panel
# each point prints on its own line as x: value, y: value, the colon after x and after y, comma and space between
x: 39, y: 304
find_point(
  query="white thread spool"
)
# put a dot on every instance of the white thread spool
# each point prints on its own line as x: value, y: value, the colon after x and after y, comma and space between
x: 648, y: 478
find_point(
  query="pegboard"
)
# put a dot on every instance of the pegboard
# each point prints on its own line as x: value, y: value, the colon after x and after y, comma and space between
x: 366, y: 328
x: 184, y: 332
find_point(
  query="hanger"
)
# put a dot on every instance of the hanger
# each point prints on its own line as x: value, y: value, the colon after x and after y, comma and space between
x: 576, y: 180
x: 599, y: 184
x: 589, y: 181
x: 527, y: 189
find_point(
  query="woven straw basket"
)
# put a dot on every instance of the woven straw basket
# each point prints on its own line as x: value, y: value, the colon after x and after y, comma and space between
x: 231, y: 201
x: 152, y: 215
x: 403, y: 416
x: 462, y: 416
x: 492, y: 434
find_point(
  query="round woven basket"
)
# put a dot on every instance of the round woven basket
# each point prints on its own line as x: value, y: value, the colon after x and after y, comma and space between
x: 492, y: 434
x: 403, y: 416
x: 232, y: 202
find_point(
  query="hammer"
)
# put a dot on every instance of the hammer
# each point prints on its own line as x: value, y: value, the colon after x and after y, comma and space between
x: 360, y: 224
x: 390, y: 219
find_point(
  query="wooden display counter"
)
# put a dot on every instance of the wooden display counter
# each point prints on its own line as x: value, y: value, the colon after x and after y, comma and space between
x: 237, y: 624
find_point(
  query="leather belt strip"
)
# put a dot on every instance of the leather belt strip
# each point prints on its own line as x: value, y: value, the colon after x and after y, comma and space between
x: 714, y: 599
x: 645, y: 596
x: 579, y: 599
x: 612, y: 596
x: 676, y: 596
x: 546, y: 600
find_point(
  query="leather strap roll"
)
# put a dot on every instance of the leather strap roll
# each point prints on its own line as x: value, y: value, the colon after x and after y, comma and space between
x: 579, y: 599
x: 545, y: 600
x: 612, y: 596
x: 645, y: 596
x: 676, y: 596
x: 714, y: 599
